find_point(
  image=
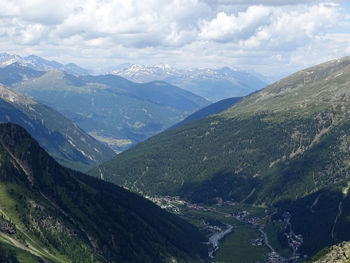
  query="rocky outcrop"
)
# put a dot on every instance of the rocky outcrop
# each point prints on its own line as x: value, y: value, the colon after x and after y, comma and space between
x: 339, y: 253
x: 7, y: 226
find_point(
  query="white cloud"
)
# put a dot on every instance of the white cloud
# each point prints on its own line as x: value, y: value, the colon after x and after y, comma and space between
x: 9, y: 9
x: 179, y: 32
x: 33, y: 33
x: 134, y: 23
x: 271, y: 27
x: 225, y: 28
x: 264, y: 2
x: 37, y: 11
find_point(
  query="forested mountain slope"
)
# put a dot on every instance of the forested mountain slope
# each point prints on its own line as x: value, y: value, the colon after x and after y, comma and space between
x: 55, y: 214
x: 285, y: 141
x: 214, y: 108
x: 287, y: 147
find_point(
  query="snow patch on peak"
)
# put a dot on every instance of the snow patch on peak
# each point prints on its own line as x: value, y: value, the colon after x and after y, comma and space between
x: 40, y: 64
x: 213, y: 84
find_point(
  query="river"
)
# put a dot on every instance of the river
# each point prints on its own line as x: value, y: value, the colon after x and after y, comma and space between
x: 215, y: 238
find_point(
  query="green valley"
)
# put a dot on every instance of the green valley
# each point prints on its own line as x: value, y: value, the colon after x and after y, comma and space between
x: 279, y: 148
x: 201, y: 131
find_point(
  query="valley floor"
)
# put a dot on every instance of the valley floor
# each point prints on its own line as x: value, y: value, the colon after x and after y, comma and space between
x: 240, y: 233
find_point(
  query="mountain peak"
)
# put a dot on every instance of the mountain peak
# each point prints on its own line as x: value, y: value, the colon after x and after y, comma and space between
x: 40, y: 64
x: 212, y: 84
x: 32, y: 56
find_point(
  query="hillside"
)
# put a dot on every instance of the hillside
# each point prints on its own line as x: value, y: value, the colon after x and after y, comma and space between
x: 212, y: 84
x: 213, y: 108
x: 277, y: 147
x: 110, y: 108
x: 55, y: 214
x: 14, y: 73
x: 64, y: 140
x: 254, y: 141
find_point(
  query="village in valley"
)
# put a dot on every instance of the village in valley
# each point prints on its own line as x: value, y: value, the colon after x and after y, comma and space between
x: 222, y: 219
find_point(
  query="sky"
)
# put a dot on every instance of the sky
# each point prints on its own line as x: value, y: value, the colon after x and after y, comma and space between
x: 273, y: 37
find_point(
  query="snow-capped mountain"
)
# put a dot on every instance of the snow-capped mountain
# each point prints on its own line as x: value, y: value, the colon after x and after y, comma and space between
x: 40, y: 64
x: 213, y: 84
x: 140, y: 73
x: 8, y: 59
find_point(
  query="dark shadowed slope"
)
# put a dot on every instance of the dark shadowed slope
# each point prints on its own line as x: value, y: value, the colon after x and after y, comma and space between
x: 60, y: 215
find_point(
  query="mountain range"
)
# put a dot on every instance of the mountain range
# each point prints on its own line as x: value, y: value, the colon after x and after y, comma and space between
x: 110, y: 108
x: 212, y: 84
x: 40, y: 64
x: 63, y: 139
x: 283, y: 150
x: 49, y: 213
x: 286, y: 146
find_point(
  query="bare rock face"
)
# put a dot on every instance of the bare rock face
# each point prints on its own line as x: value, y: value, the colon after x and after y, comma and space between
x: 338, y: 254
x: 7, y: 226
x: 14, y: 96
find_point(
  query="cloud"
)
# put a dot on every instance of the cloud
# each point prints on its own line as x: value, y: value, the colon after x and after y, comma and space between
x: 162, y: 23
x: 271, y: 27
x: 233, y: 27
x: 9, y: 9
x: 263, y: 2
x: 37, y: 11
x: 33, y: 33
x: 180, y: 32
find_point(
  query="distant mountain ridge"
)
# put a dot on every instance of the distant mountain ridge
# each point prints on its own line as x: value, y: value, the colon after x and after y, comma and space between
x: 213, y: 84
x: 63, y: 139
x: 40, y: 64
x: 110, y: 108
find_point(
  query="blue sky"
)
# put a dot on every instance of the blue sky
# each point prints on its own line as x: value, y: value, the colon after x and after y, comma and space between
x: 273, y: 37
